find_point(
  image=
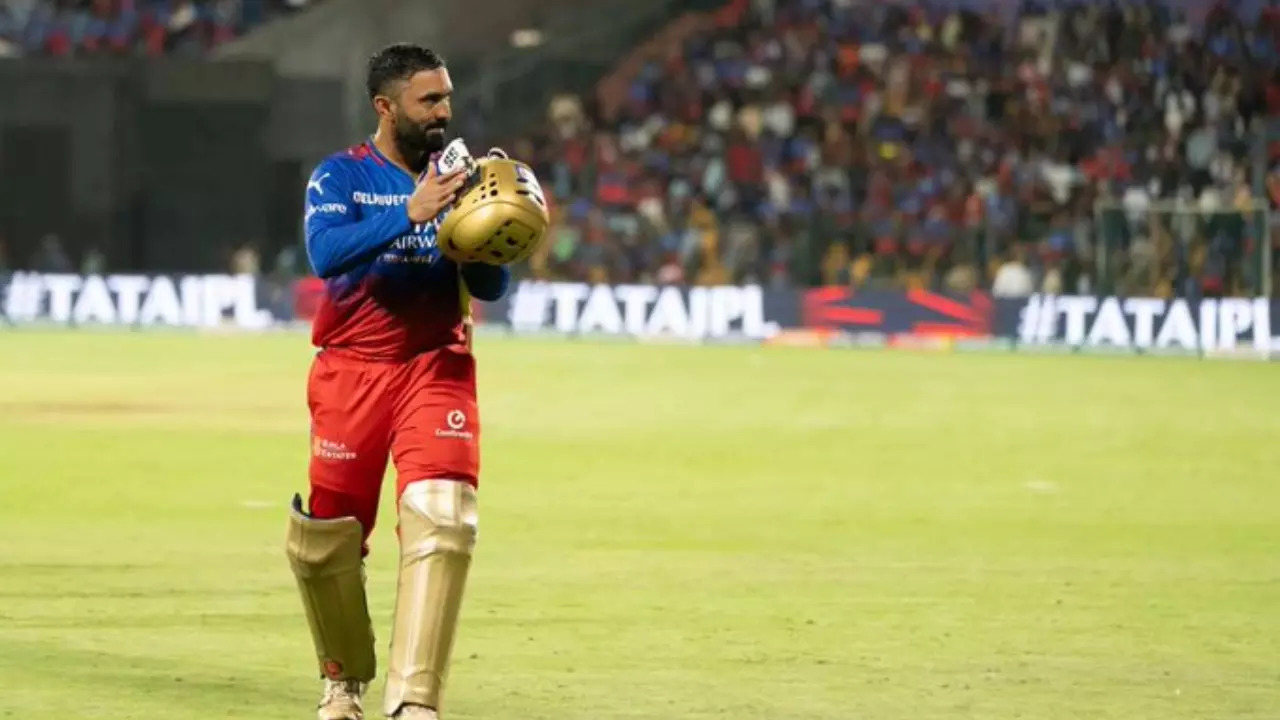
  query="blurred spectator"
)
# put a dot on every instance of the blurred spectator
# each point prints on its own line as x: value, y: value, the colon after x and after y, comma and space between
x: 51, y: 257
x: 10, y: 30
x: 94, y: 262
x: 245, y: 261
x: 1014, y: 278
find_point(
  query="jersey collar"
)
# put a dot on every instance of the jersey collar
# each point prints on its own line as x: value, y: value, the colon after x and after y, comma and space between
x: 373, y: 148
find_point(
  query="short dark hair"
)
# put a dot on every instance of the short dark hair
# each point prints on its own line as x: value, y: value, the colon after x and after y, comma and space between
x: 398, y: 63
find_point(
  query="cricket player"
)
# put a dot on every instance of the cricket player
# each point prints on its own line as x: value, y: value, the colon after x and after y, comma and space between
x: 394, y: 376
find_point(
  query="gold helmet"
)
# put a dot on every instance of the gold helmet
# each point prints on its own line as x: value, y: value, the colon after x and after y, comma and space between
x: 499, y: 218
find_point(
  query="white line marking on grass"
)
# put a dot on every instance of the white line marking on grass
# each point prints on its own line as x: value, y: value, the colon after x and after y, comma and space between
x: 258, y: 504
x: 1042, y: 486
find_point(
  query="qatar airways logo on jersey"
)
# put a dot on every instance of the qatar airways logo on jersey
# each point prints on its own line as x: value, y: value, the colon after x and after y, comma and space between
x: 379, y: 199
x: 418, y: 248
x: 410, y: 243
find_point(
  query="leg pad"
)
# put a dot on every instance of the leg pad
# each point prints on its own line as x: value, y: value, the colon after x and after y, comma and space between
x: 326, y: 559
x: 438, y: 527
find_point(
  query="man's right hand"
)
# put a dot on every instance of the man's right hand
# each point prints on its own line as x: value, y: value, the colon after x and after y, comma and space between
x: 435, y: 193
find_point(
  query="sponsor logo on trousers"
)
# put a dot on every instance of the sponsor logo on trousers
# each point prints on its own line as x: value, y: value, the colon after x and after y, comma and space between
x: 455, y: 421
x: 330, y: 450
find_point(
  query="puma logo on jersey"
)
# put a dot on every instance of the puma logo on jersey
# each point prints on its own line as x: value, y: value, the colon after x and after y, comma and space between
x: 315, y: 184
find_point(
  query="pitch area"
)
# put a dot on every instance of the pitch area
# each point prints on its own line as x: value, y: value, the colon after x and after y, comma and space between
x: 666, y: 532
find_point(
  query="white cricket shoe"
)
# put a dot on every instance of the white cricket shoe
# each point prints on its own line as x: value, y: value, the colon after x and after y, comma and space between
x: 341, y: 700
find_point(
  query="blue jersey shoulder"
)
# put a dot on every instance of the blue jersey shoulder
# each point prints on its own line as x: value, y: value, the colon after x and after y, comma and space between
x: 350, y: 169
x: 355, y: 208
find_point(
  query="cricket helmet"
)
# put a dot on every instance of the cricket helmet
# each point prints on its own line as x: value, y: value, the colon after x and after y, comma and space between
x: 499, y: 218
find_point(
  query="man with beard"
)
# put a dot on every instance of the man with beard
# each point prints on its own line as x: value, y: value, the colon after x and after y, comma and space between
x: 394, y: 376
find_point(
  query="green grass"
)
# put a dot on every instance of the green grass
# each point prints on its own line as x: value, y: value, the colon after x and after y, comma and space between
x: 667, y: 532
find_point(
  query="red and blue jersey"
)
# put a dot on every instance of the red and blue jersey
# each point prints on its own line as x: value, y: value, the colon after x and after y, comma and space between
x: 390, y: 293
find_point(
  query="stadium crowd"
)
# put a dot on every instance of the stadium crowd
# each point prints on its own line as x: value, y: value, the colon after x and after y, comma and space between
x: 63, y: 28
x: 947, y: 144
x: 921, y: 144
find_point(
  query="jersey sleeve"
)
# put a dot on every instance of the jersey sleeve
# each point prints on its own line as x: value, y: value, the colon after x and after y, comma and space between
x: 336, y: 240
x: 486, y: 282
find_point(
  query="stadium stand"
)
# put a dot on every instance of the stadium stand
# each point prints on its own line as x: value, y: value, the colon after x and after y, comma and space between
x: 946, y: 145
x: 63, y: 28
x: 1064, y: 146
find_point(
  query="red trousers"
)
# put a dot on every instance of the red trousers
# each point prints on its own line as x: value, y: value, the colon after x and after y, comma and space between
x: 421, y: 413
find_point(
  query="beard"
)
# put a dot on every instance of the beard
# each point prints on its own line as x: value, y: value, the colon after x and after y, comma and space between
x: 417, y: 142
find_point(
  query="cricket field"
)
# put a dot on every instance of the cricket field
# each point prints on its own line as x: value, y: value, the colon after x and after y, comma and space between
x: 666, y: 533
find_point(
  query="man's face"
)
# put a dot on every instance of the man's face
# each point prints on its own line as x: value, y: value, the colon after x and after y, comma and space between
x: 420, y: 115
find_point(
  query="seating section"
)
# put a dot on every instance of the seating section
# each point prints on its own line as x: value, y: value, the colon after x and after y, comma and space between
x: 66, y: 28
x: 946, y: 145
